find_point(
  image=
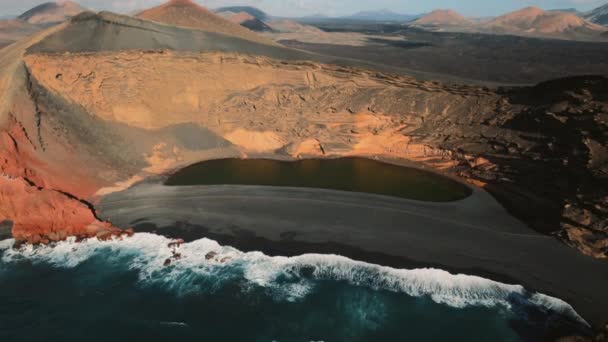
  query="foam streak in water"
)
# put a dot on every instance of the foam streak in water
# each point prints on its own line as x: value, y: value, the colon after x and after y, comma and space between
x: 204, y: 265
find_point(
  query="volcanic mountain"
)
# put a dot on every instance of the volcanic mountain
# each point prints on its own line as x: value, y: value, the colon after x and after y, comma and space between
x: 12, y: 30
x: 52, y: 12
x: 246, y: 20
x: 598, y: 15
x: 535, y: 21
x: 442, y: 18
x: 185, y: 13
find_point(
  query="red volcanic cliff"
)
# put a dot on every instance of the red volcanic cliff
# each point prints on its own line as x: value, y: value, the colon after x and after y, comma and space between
x: 39, y: 213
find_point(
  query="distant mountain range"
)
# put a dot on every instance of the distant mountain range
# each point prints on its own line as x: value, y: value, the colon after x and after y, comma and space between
x: 565, y: 23
x: 442, y: 18
x: 381, y: 15
x: 529, y: 21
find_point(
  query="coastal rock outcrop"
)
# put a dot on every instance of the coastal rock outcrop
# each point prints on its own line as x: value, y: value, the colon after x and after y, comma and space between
x: 41, y: 215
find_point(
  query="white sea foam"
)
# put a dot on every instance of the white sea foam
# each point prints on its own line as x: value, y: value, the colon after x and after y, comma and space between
x: 6, y: 244
x: 204, y: 265
x: 175, y: 324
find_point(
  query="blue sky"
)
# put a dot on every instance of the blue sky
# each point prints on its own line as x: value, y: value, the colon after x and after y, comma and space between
x: 331, y: 7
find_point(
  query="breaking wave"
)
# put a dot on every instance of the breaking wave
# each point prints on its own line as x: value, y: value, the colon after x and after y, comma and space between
x: 206, y: 266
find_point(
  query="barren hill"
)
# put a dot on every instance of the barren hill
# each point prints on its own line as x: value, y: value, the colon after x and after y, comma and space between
x: 533, y: 20
x: 442, y: 18
x: 52, y: 12
x: 186, y: 13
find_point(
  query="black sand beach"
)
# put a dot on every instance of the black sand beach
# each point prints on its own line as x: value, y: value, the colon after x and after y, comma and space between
x: 473, y: 236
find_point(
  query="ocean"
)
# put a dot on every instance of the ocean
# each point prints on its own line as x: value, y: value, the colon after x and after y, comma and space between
x: 145, y: 289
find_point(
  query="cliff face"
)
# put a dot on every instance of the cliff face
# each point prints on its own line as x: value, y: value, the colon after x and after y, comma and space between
x: 34, y: 194
x: 79, y: 125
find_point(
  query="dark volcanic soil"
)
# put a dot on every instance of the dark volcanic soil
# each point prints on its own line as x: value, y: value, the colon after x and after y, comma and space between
x: 492, y: 58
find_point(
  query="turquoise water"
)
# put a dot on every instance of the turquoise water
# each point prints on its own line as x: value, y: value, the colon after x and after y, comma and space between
x: 125, y: 291
x: 346, y: 174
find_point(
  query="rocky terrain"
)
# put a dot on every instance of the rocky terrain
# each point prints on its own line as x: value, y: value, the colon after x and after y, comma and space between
x: 79, y: 125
